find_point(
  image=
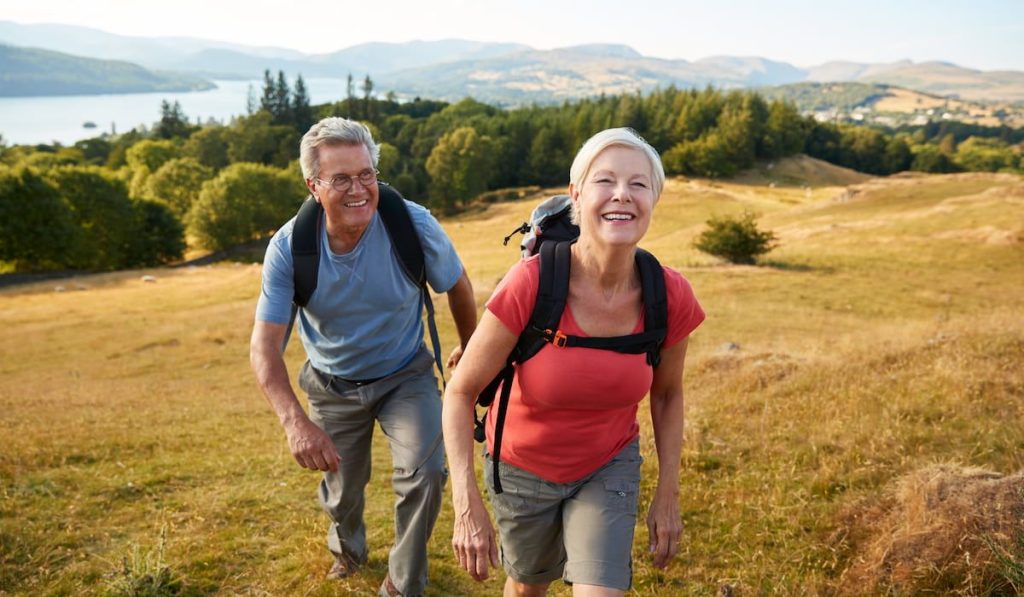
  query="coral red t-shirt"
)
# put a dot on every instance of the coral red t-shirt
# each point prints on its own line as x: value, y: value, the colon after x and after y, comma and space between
x: 571, y: 410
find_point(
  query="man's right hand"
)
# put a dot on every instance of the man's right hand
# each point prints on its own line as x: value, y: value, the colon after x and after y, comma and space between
x: 311, y: 447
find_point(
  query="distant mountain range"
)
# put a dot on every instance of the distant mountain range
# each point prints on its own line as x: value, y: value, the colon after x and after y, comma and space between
x: 505, y: 74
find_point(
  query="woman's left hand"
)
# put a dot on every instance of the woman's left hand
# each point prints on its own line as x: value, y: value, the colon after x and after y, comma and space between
x: 664, y: 527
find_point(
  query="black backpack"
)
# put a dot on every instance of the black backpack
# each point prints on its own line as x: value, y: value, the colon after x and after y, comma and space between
x: 552, y: 234
x: 404, y: 241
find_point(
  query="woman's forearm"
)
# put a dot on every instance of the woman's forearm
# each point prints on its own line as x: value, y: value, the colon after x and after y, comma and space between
x: 457, y: 421
x: 667, y: 419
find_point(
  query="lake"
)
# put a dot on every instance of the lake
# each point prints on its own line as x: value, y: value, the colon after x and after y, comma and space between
x: 29, y: 120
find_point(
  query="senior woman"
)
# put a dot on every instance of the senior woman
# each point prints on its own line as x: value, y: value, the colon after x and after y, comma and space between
x: 570, y: 457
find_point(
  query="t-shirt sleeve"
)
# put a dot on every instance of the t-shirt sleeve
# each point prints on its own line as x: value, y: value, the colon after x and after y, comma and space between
x: 278, y: 285
x: 513, y: 299
x: 684, y: 312
x: 443, y: 264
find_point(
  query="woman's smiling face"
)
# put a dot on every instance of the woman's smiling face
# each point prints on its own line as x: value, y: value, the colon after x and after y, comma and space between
x: 615, y: 200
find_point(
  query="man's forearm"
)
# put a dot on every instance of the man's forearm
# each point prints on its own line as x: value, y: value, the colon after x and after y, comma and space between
x: 272, y: 376
x: 462, y: 304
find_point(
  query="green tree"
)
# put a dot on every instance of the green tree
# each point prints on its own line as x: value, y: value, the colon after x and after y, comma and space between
x: 367, y: 93
x: 173, y: 122
x: 390, y: 162
x: 36, y: 227
x: 350, y: 97
x: 550, y: 156
x: 823, y: 142
x: 785, y: 130
x: 177, y: 183
x: 302, y: 113
x: 736, y: 239
x: 255, y: 139
x: 159, y: 236
x: 209, y: 145
x: 707, y: 156
x: 242, y: 203
x: 985, y: 155
x: 95, y: 150
x: 151, y: 154
x: 458, y: 167
x: 282, y: 109
x: 119, y: 146
x: 898, y: 156
x: 268, y: 99
x: 103, y: 214
x: 862, y: 149
x: 47, y: 160
x: 929, y: 158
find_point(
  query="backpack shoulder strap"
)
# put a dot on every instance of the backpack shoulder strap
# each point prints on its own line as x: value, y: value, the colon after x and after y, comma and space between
x: 404, y: 239
x: 305, y: 258
x: 552, y: 293
x: 306, y: 249
x: 652, y: 283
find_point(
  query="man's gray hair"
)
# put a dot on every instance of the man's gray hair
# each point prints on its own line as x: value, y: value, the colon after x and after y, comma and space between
x: 333, y: 131
x: 626, y: 137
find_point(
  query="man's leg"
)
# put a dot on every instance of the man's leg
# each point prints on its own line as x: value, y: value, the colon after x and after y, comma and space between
x: 410, y: 416
x: 340, y: 413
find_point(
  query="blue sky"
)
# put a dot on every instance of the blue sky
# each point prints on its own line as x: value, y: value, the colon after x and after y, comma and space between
x: 984, y: 34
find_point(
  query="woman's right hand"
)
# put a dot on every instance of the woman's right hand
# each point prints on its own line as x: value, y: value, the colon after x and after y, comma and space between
x: 473, y: 537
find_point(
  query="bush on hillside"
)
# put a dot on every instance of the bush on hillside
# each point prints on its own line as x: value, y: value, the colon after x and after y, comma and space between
x: 244, y: 202
x: 36, y: 227
x: 176, y: 184
x: 103, y: 214
x: 735, y: 238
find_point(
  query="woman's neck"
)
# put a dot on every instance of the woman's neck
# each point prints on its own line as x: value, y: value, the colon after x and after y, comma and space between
x: 611, y: 268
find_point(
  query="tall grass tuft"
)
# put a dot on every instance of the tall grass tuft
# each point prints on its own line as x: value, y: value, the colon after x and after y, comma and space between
x: 145, y: 573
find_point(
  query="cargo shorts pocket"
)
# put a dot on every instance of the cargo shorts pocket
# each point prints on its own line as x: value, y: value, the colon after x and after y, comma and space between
x: 519, y: 488
x: 621, y: 494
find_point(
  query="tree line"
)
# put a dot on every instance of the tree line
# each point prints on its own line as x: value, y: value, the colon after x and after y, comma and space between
x: 221, y: 185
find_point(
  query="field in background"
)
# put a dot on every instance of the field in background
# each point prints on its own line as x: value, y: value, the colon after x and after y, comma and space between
x: 884, y: 335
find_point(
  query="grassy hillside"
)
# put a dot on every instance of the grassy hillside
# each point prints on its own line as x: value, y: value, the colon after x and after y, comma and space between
x: 31, y: 72
x: 889, y: 105
x: 885, y: 335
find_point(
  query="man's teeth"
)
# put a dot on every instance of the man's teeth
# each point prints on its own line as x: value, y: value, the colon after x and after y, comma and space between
x: 356, y: 203
x: 618, y: 217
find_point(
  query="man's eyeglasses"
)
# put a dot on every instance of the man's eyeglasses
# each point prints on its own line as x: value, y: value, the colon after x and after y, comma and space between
x: 343, y: 182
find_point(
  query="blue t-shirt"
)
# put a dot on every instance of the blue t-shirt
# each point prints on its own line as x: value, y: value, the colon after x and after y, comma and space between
x: 364, y: 319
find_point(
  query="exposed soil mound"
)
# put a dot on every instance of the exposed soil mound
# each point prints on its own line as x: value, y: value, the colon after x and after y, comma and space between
x: 942, y: 529
x: 749, y: 370
x: 801, y: 170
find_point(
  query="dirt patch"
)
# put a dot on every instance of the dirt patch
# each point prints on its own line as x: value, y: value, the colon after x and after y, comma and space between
x: 941, y: 529
x: 988, y: 235
x: 800, y: 170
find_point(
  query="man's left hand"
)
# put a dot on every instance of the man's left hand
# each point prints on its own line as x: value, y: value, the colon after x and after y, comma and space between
x: 455, y: 357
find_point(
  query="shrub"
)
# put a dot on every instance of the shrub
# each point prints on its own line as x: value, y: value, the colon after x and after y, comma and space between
x: 735, y: 238
x: 102, y: 213
x: 37, y: 230
x: 244, y: 202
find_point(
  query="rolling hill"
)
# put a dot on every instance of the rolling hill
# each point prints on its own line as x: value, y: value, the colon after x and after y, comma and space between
x: 34, y: 72
x: 884, y: 335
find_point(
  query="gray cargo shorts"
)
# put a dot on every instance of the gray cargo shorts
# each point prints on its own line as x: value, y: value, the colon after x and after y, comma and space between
x: 581, y: 532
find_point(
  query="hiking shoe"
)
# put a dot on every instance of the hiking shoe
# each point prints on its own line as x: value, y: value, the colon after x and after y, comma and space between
x: 343, y: 566
x: 387, y: 588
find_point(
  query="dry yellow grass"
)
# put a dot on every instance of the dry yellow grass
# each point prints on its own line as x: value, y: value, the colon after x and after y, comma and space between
x: 884, y: 335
